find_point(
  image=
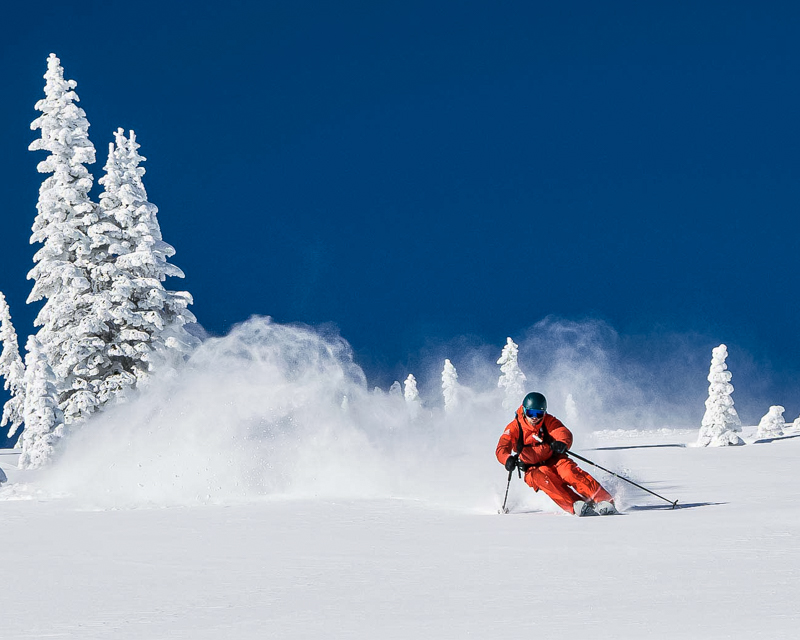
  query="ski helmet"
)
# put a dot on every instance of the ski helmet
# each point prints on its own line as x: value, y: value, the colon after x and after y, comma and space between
x: 535, y: 401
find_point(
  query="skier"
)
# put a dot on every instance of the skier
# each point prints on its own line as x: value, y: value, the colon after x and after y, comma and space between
x: 539, y: 442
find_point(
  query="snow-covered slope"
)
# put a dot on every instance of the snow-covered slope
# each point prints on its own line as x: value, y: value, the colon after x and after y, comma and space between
x: 726, y: 564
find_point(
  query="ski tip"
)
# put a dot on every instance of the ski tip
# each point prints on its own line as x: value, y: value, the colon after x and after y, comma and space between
x: 675, y: 504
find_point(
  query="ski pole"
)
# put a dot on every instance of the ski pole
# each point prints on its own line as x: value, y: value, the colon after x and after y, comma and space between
x: 503, y: 508
x: 575, y: 455
x: 510, y: 473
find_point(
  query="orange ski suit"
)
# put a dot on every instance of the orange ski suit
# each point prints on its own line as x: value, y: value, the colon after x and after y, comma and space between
x: 557, y: 475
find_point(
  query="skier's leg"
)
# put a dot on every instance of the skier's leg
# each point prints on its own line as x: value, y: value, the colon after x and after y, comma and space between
x: 547, y: 479
x: 581, y: 481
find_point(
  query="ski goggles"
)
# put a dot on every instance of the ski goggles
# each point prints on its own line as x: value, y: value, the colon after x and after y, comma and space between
x: 534, y: 413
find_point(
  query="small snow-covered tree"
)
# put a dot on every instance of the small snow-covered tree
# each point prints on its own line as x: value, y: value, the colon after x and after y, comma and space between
x: 410, y: 391
x: 146, y: 322
x: 12, y: 369
x: 449, y: 386
x: 512, y: 380
x: 44, y: 421
x: 396, y: 390
x: 571, y: 410
x: 411, y: 395
x: 721, y: 423
x: 69, y: 325
x: 796, y: 423
x: 772, y: 423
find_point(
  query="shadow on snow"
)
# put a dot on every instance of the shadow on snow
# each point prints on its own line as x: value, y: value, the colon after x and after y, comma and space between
x: 766, y: 440
x: 639, y: 446
x: 667, y: 507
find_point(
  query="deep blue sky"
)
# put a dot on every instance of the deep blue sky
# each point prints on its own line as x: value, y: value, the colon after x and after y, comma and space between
x: 415, y: 171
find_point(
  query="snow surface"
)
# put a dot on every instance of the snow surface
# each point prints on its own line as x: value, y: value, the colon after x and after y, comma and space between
x: 266, y: 492
x: 726, y: 564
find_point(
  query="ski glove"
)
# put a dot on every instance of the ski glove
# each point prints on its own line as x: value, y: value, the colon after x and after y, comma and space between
x: 511, y: 463
x: 558, y: 447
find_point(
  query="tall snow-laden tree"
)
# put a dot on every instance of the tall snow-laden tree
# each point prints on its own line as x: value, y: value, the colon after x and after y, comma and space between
x: 512, y: 380
x: 70, y: 327
x: 721, y: 423
x: 449, y: 386
x: 411, y: 394
x: 146, y: 322
x: 44, y: 421
x: 772, y: 423
x: 13, y: 371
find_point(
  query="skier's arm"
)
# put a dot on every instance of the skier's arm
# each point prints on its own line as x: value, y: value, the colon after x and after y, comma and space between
x: 542, y: 451
x: 562, y: 434
x: 505, y: 445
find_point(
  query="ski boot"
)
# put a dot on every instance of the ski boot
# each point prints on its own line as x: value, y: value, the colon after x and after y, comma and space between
x: 582, y: 508
x: 606, y: 508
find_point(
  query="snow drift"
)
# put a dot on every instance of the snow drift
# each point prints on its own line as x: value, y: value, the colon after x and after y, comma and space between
x: 273, y: 411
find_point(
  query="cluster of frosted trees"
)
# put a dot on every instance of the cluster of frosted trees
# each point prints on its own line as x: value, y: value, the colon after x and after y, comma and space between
x: 107, y: 322
x: 511, y: 382
x: 721, y: 425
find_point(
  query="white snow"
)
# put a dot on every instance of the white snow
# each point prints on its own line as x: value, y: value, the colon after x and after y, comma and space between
x: 772, y: 423
x: 261, y: 491
x: 571, y: 410
x: 107, y: 322
x: 450, y: 386
x: 44, y: 421
x: 411, y: 395
x: 70, y: 330
x: 12, y: 370
x: 145, y: 321
x: 721, y: 423
x: 512, y: 380
x: 240, y: 500
x: 723, y: 565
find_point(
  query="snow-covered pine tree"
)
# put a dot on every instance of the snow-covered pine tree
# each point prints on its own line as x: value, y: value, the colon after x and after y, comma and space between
x: 571, y: 410
x: 411, y: 395
x: 512, y: 380
x: 44, y: 421
x: 449, y: 386
x: 13, y: 371
x: 396, y: 390
x: 772, y: 423
x: 410, y: 391
x: 721, y: 423
x: 146, y: 322
x: 70, y: 328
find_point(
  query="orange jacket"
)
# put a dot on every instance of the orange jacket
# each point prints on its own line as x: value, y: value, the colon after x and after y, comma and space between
x: 533, y: 451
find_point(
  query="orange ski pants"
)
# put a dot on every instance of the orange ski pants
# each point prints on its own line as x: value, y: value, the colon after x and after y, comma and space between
x: 565, y: 482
